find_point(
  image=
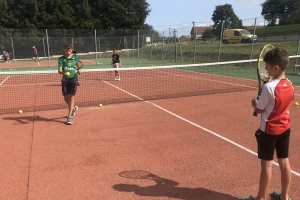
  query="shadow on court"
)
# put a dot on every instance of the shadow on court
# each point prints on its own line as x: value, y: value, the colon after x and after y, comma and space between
x: 30, y: 119
x: 168, y: 188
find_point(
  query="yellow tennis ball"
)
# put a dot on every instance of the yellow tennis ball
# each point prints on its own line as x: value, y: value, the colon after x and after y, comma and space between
x: 296, y: 104
x: 67, y: 73
x: 20, y: 111
x: 100, y: 105
x: 10, y: 69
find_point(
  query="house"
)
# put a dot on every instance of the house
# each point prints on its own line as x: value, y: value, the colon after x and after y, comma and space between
x: 198, y: 31
x: 184, y: 38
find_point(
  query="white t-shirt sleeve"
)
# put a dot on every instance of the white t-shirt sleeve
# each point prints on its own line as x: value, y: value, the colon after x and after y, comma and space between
x: 265, y: 98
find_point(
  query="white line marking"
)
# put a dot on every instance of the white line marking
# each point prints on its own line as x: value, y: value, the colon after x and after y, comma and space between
x: 4, y: 80
x: 194, y: 124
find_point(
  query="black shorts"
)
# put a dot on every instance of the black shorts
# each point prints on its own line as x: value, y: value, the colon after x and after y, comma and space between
x: 268, y: 143
x: 69, y: 86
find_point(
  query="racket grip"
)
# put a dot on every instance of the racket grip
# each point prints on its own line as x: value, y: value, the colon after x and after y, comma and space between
x: 255, y: 113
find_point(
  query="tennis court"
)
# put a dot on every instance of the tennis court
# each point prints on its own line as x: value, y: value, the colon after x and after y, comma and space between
x: 191, y: 126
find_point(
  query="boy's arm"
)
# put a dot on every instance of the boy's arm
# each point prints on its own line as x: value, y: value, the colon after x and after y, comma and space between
x: 254, y: 104
x: 60, y: 71
x: 264, y: 100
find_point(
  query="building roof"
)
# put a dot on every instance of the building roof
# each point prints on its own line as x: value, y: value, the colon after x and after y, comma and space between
x: 200, y: 29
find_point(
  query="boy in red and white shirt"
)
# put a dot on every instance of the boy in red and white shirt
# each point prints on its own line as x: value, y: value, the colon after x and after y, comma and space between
x: 274, y: 132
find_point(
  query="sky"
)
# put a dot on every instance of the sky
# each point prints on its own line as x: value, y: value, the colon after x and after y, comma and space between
x: 179, y: 14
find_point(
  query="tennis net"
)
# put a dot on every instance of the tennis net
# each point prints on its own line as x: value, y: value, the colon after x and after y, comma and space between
x: 41, y: 90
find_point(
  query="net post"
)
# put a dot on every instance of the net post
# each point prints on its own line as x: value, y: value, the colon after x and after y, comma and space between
x: 195, y: 47
x: 12, y: 46
x: 220, y: 43
x: 48, y: 48
x: 96, y: 47
x: 251, y: 53
x: 138, y: 43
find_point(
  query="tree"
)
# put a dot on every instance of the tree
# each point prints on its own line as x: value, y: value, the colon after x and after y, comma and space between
x: 207, y: 35
x: 281, y: 12
x: 73, y: 14
x: 224, y: 14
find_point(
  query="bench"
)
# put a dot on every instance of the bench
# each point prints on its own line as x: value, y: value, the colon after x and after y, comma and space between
x: 296, y: 67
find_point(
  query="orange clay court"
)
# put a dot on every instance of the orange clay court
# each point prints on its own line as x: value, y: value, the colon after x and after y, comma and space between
x: 197, y: 137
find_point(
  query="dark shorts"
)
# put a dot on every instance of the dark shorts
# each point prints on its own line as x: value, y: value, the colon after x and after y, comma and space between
x: 268, y: 143
x: 69, y: 86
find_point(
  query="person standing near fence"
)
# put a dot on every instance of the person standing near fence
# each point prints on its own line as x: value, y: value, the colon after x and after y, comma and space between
x: 35, y: 53
x: 7, y: 57
x: 116, y: 63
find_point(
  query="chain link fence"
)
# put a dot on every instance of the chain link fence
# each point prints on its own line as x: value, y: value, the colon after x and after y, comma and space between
x: 184, y: 43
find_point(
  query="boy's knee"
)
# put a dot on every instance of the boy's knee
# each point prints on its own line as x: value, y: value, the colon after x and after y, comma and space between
x: 266, y: 163
x: 283, y: 162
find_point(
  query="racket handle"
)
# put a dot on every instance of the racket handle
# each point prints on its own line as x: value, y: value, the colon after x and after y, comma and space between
x: 255, y: 113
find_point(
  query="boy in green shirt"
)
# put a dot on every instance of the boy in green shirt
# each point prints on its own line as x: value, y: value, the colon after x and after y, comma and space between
x: 67, y: 66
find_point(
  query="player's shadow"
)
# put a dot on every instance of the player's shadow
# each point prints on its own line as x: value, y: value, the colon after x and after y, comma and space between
x: 168, y: 188
x: 30, y: 119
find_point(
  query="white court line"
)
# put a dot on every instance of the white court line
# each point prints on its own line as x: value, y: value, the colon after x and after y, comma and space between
x: 4, y: 80
x: 194, y: 124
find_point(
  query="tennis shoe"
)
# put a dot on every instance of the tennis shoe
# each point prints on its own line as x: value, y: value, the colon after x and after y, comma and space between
x: 69, y: 121
x: 247, y: 198
x: 276, y: 195
x: 74, y: 111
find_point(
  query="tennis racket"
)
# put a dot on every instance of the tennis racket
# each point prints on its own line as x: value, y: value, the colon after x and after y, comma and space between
x: 138, y: 174
x: 262, y: 74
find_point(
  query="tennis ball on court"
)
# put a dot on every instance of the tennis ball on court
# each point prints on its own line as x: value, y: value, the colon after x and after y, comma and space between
x: 10, y: 69
x: 100, y: 105
x: 20, y: 111
x: 67, y: 73
x: 296, y: 104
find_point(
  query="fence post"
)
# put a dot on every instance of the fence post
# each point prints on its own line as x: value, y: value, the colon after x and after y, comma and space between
x: 152, y: 46
x: 96, y: 47
x: 138, y: 43
x: 251, y: 53
x: 163, y: 41
x: 48, y: 49
x: 297, y: 53
x: 44, y: 47
x: 195, y: 40
x: 13, y: 50
x: 220, y: 43
x: 99, y: 46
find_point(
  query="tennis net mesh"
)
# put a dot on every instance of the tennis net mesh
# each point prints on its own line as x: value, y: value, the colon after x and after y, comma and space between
x: 41, y: 90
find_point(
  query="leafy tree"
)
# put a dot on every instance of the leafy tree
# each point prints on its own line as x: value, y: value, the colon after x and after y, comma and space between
x: 207, y: 35
x: 224, y: 14
x: 73, y: 14
x: 281, y: 12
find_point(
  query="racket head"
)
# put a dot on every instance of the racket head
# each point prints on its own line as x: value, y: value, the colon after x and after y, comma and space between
x: 137, y: 174
x: 262, y: 73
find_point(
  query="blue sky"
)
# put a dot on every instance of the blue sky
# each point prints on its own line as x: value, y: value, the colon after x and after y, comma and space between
x: 179, y: 14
